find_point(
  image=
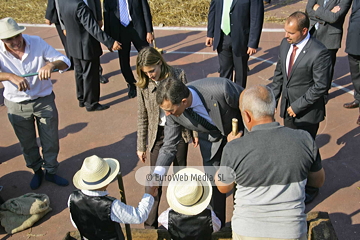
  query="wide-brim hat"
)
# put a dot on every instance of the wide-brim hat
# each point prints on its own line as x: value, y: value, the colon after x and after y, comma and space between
x: 9, y: 28
x: 189, y: 192
x: 96, y: 172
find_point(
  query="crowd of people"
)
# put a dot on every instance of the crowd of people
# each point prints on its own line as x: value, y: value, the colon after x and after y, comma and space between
x: 271, y: 187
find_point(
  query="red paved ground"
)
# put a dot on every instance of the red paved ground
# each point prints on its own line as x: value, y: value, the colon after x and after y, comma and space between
x: 112, y: 133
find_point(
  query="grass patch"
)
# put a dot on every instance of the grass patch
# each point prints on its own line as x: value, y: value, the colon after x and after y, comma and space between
x: 164, y: 12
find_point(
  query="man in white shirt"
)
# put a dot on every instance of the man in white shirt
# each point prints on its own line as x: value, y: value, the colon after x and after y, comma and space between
x: 30, y: 98
x: 96, y: 215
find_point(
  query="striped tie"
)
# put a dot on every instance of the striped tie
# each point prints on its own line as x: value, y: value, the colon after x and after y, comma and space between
x: 124, y: 13
x: 200, y: 119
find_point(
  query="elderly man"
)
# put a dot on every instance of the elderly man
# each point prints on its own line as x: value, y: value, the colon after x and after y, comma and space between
x: 206, y: 106
x: 31, y: 99
x: 269, y: 201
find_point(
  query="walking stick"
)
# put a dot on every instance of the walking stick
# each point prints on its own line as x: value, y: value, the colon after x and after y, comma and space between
x: 160, y: 50
x: 123, y: 199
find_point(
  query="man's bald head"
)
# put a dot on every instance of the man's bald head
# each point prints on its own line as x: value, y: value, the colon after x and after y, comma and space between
x: 258, y: 100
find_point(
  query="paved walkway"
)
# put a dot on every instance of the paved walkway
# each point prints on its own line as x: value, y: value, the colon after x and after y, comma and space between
x: 112, y: 133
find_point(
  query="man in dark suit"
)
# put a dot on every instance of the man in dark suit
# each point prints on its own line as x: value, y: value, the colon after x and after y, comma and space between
x: 83, y: 37
x: 302, y: 78
x: 326, y: 24
x: 216, y: 100
x: 353, y: 51
x: 128, y: 21
x: 234, y: 29
x: 52, y: 16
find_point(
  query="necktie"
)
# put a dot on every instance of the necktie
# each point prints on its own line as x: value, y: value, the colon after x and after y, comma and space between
x: 292, y: 57
x: 124, y: 13
x: 200, y: 119
x: 225, y: 21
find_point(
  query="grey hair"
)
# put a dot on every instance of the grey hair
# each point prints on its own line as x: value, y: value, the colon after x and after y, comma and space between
x: 259, y: 100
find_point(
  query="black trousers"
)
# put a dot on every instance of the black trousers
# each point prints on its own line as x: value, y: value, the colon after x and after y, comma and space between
x: 178, y: 163
x: 126, y: 36
x: 310, y: 128
x: 87, y: 81
x: 229, y: 62
x: 354, y: 63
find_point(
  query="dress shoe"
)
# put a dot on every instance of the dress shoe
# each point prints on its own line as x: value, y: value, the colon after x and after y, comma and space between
x: 132, y: 90
x: 56, y: 179
x: 353, y: 104
x: 37, y: 179
x: 97, y: 107
x: 81, y: 104
x: 103, y: 79
x: 310, y: 194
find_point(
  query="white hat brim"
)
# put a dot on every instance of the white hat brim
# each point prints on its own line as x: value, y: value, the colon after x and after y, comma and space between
x: 197, y: 208
x: 9, y: 34
x: 114, y: 170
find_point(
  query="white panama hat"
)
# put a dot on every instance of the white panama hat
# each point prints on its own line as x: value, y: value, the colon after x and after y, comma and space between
x: 191, y: 196
x: 9, y: 28
x: 96, y: 173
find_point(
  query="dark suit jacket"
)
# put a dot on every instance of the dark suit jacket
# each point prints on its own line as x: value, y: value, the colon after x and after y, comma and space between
x: 308, y: 82
x: 246, y: 20
x: 220, y: 97
x: 331, y: 24
x: 139, y: 12
x: 353, y: 35
x: 83, y: 31
x: 51, y: 13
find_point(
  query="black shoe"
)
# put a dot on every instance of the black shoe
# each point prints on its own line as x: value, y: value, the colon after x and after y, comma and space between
x: 103, y: 79
x: 97, y: 107
x: 353, y: 104
x: 37, y: 179
x: 81, y: 104
x: 310, y: 194
x: 56, y: 179
x: 132, y: 90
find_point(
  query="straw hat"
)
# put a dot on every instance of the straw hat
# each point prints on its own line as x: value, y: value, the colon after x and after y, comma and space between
x: 189, y: 194
x: 9, y: 28
x: 96, y: 173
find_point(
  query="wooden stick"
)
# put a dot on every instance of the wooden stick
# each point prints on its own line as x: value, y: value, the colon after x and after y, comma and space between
x: 123, y: 199
x: 235, y: 129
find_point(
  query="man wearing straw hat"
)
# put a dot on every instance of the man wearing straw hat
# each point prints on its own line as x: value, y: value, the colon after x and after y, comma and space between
x: 30, y: 99
x: 189, y: 215
x: 97, y: 215
x: 270, y: 179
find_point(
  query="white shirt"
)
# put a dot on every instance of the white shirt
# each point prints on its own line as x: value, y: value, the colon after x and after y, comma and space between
x: 164, y: 220
x: 37, y: 54
x: 300, y: 46
x: 162, y: 115
x: 122, y: 213
x: 198, y: 106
